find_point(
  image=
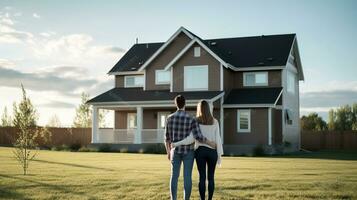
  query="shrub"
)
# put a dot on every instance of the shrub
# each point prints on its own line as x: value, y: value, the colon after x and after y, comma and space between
x: 105, y: 148
x: 86, y: 149
x: 123, y: 150
x: 75, y: 146
x: 258, y: 151
x: 62, y: 147
x: 155, y: 149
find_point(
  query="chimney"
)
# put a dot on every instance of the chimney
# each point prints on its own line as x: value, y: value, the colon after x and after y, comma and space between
x: 147, y: 45
x: 137, y: 41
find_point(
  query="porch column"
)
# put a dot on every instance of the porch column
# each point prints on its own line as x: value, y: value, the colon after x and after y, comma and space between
x: 270, y: 139
x: 95, y: 123
x: 139, y: 124
x: 221, y: 120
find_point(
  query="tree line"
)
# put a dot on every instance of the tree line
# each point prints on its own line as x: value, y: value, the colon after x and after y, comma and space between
x: 343, y: 118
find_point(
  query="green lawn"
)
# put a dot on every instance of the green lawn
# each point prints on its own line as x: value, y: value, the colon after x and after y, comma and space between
x: 67, y: 175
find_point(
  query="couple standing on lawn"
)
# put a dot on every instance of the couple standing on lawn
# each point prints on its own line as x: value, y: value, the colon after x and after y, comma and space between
x: 187, y: 138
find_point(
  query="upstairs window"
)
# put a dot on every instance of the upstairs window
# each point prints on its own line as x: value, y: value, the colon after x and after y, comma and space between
x: 162, y: 77
x: 243, y: 120
x: 255, y: 79
x: 197, y: 52
x: 134, y: 81
x: 196, y: 78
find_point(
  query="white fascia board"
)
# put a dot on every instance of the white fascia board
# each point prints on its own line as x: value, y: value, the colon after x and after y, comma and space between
x: 178, y: 56
x: 126, y: 73
x: 277, y: 99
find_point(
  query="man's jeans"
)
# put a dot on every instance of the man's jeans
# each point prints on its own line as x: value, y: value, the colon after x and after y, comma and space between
x: 176, y: 160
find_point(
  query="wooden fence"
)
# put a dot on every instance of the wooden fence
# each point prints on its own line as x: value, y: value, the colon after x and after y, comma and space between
x: 334, y: 140
x: 310, y: 140
x: 59, y: 136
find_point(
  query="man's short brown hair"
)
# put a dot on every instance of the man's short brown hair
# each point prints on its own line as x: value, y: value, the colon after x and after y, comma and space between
x: 180, y: 101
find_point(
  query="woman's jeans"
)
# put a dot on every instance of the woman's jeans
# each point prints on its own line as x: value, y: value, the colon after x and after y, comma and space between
x: 176, y: 161
x: 206, y: 157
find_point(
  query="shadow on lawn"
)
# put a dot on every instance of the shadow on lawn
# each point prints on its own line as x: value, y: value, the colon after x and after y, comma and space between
x: 329, y: 155
x: 9, y: 193
x: 60, y: 188
x: 73, y: 165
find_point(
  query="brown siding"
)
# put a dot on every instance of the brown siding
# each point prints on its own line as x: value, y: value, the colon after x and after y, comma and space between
x: 235, y: 79
x: 259, y: 128
x: 121, y: 118
x: 277, y: 132
x: 188, y: 59
x: 163, y: 59
x: 119, y: 81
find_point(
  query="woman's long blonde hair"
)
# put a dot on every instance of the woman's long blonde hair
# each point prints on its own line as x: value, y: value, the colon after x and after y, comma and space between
x: 204, y: 115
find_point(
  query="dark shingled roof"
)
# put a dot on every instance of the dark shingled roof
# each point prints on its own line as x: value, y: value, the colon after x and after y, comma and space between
x: 135, y: 57
x: 253, y: 96
x: 269, y: 50
x: 138, y: 94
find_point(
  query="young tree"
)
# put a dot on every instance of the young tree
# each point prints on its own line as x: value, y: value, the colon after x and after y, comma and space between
x: 25, y: 117
x: 83, y: 113
x: 354, y: 116
x: 331, y: 120
x: 6, y: 118
x: 83, y: 118
x: 343, y: 118
x: 54, y: 121
x: 313, y: 122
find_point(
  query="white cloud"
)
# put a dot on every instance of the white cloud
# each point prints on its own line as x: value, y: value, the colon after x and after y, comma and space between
x: 5, y: 63
x: 35, y: 15
x: 8, y: 34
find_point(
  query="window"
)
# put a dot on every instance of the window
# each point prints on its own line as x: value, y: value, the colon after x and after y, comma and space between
x: 197, y: 52
x: 243, y: 118
x: 132, y: 121
x: 289, y: 116
x: 162, y: 116
x: 162, y: 77
x: 196, y: 78
x: 255, y: 79
x: 134, y: 81
x: 291, y: 82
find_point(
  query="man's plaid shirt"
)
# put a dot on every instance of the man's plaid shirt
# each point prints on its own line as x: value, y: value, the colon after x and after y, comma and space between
x: 179, y: 125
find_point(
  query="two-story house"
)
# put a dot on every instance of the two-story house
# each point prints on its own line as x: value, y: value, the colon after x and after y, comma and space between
x: 251, y: 83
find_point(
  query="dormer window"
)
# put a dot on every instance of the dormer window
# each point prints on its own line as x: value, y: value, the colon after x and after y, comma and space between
x: 255, y: 79
x: 134, y: 81
x: 162, y: 77
x: 197, y: 52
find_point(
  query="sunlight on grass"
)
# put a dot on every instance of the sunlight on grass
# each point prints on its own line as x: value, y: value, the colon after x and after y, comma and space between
x: 67, y: 175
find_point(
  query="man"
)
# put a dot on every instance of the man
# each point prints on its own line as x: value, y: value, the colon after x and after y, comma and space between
x: 179, y: 125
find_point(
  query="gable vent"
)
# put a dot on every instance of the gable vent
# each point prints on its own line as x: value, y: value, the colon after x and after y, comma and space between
x: 261, y: 63
x: 213, y: 43
x: 270, y: 59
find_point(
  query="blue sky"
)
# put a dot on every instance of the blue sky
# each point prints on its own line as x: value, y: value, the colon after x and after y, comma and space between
x: 42, y: 41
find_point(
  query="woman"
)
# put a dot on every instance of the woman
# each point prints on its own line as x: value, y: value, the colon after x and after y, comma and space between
x: 206, y: 156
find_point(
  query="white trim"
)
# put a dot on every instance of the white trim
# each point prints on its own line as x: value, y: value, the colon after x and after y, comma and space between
x: 156, y: 76
x: 221, y: 120
x: 171, y: 80
x: 185, y: 86
x: 126, y: 106
x: 255, y: 84
x: 126, y: 73
x: 139, y: 124
x: 126, y: 86
x: 221, y: 71
x: 181, y: 29
x: 277, y: 99
x: 258, y: 68
x: 95, y: 124
x: 238, y: 121
x: 144, y: 87
x: 158, y: 118
x: 248, y: 105
x: 128, y: 122
x: 178, y: 56
x: 270, y: 139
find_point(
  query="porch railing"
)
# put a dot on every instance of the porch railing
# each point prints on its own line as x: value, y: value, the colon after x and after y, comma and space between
x: 130, y: 136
